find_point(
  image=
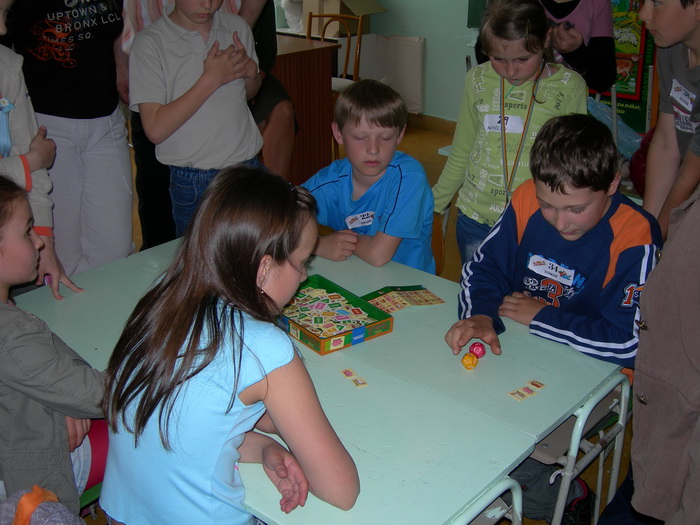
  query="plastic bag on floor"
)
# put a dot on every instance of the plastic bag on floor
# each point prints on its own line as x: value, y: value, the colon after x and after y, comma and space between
x: 628, y: 140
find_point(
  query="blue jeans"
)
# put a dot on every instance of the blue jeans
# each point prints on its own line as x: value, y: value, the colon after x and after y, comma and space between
x: 470, y: 235
x: 187, y: 186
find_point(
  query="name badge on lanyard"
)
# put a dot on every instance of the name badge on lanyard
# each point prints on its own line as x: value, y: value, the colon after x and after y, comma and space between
x: 514, y: 123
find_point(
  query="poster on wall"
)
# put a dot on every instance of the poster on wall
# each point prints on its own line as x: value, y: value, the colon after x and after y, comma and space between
x: 635, y: 55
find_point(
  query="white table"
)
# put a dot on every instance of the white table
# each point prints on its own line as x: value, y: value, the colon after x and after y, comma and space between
x: 429, y: 438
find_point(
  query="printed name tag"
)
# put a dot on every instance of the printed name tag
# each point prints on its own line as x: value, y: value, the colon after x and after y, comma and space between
x: 682, y: 96
x: 546, y: 268
x: 361, y: 219
x: 514, y: 123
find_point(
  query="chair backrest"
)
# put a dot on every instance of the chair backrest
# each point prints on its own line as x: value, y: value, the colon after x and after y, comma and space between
x: 438, y: 243
x: 344, y: 24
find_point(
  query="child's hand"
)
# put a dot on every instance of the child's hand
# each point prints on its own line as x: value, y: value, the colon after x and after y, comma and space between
x: 285, y: 473
x: 41, y: 151
x: 477, y: 327
x: 245, y: 67
x: 222, y: 67
x: 77, y: 430
x: 566, y: 40
x: 337, y: 246
x: 51, y: 267
x: 520, y: 308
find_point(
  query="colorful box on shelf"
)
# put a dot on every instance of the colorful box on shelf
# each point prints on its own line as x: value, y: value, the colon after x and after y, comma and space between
x: 327, y: 317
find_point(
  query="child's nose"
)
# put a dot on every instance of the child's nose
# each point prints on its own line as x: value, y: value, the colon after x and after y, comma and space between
x: 373, y: 146
x: 561, y: 222
x: 38, y: 242
x: 644, y: 11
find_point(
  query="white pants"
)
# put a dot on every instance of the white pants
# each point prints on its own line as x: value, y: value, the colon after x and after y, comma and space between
x: 92, y: 192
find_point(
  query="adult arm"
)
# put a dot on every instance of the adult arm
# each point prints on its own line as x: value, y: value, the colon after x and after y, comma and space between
x: 122, y: 63
x: 595, y: 62
x: 36, y: 363
x: 250, y: 10
x: 453, y: 174
x: 662, y: 166
x: 294, y: 408
x: 613, y: 336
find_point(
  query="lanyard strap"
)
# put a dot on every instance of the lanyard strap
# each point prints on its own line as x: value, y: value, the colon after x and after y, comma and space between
x: 510, y: 177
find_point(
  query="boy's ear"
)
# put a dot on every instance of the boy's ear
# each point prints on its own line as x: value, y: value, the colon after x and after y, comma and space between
x: 615, y: 184
x: 337, y: 135
x: 263, y: 270
x: 398, y: 141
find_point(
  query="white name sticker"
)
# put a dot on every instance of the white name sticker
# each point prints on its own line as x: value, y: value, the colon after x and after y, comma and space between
x: 492, y: 123
x: 361, y: 219
x: 682, y: 96
x: 547, y: 268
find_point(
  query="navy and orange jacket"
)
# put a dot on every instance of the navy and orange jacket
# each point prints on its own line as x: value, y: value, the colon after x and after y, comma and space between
x: 591, y: 286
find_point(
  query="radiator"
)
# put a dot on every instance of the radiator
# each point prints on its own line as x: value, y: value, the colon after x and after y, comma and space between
x: 394, y: 60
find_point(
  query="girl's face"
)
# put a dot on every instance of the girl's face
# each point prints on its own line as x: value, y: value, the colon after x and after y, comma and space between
x: 19, y: 248
x: 512, y: 61
x: 281, y: 281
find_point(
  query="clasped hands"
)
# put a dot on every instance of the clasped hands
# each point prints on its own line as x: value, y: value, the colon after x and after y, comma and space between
x: 231, y: 63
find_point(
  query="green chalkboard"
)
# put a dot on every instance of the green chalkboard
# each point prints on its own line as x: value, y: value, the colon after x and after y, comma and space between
x: 476, y: 8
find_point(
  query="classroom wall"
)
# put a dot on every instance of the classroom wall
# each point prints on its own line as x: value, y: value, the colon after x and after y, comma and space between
x: 443, y: 23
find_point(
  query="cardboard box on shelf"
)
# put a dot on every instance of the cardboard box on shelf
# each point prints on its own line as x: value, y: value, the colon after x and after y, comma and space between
x: 343, y: 7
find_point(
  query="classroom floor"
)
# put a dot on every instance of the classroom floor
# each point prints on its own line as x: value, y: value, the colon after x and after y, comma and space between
x: 423, y: 144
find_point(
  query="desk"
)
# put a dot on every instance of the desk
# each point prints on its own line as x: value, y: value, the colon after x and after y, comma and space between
x: 305, y: 68
x: 570, y: 377
x: 429, y: 438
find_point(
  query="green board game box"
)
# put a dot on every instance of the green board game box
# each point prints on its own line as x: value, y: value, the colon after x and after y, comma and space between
x: 326, y: 317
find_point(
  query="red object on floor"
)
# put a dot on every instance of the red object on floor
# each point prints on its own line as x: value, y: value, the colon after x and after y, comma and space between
x: 99, y: 443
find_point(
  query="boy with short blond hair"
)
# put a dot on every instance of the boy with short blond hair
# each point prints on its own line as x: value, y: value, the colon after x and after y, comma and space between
x: 191, y: 74
x: 569, y: 256
x: 377, y: 199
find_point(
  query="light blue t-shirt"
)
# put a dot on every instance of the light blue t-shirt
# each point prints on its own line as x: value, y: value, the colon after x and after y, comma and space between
x: 400, y: 204
x: 198, y: 481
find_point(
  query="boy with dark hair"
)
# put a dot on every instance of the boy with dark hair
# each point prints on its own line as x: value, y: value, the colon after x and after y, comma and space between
x: 673, y: 160
x: 569, y: 256
x: 377, y: 199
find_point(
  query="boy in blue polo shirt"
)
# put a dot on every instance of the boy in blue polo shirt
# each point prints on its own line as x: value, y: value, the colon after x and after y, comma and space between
x: 569, y: 256
x: 377, y: 199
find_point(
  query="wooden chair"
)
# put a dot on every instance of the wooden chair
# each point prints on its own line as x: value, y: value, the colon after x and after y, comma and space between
x: 344, y: 24
x: 438, y: 243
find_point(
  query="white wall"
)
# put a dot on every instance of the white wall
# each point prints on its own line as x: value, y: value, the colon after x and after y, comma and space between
x: 443, y: 23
